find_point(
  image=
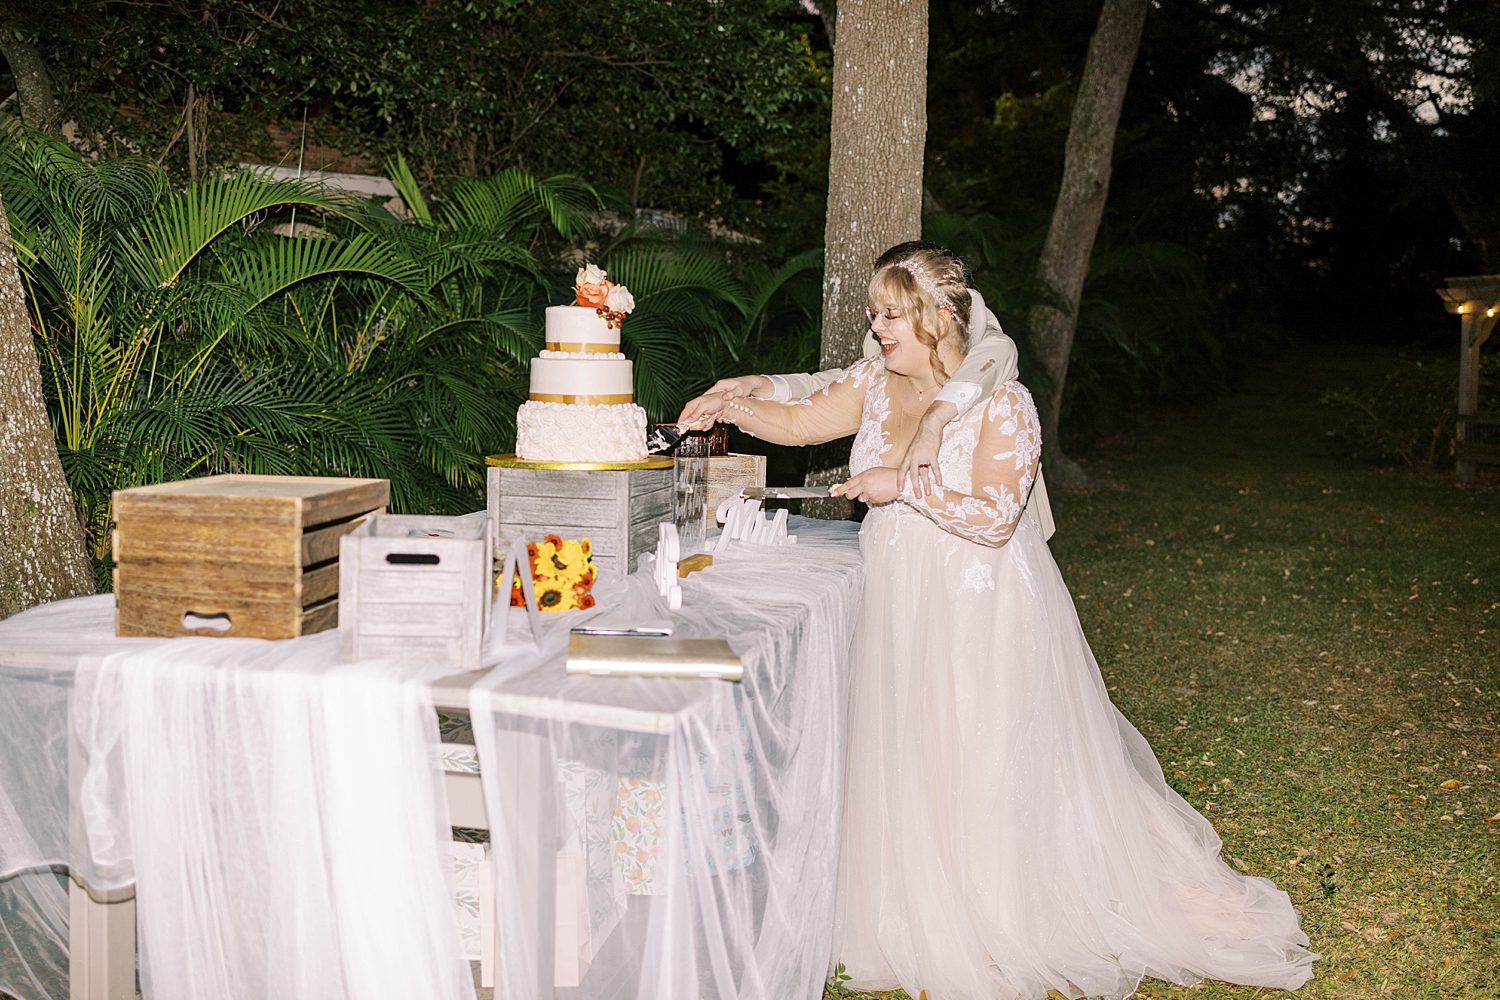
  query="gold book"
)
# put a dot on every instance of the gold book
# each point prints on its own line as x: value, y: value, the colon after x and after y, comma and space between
x: 652, y: 656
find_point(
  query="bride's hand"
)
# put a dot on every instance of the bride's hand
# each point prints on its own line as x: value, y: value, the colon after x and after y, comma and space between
x: 920, y: 460
x: 873, y: 486
x: 704, y: 410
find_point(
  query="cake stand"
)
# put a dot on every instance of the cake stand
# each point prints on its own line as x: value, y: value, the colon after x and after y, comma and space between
x: 512, y: 462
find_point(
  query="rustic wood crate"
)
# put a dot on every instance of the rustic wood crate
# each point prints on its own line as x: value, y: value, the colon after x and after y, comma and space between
x: 235, y: 555
x: 415, y: 586
x: 616, y: 509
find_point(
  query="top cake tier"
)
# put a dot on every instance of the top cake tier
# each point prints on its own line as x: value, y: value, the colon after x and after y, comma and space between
x: 580, y: 330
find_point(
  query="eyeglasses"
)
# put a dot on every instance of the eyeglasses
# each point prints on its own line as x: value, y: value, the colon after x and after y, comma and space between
x: 888, y: 314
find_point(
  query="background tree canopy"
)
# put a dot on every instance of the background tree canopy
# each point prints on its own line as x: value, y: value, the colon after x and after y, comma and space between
x: 1282, y: 168
x: 665, y: 105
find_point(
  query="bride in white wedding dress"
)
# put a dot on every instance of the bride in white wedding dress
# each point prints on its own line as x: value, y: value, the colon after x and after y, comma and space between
x: 1006, y: 830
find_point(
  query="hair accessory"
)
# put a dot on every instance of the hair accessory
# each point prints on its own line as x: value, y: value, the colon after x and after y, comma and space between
x: 923, y: 279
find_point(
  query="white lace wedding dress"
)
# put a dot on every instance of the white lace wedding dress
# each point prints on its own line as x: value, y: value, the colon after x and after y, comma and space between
x: 1006, y: 830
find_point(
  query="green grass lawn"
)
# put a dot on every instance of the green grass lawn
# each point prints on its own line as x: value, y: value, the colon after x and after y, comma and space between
x: 1312, y: 646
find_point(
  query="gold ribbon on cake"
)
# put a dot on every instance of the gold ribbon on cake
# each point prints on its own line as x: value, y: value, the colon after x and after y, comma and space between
x: 573, y: 347
x: 583, y: 398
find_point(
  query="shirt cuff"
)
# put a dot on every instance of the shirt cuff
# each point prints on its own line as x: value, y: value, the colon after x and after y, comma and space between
x: 961, y: 394
x: 780, y: 391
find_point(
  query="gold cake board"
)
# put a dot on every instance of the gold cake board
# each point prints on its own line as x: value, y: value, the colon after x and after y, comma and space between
x: 512, y: 462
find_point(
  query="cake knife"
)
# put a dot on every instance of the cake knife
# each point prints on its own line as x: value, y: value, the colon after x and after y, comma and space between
x: 784, y: 492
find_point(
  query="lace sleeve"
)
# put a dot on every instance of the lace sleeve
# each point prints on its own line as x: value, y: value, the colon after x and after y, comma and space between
x: 827, y: 415
x: 1005, y: 465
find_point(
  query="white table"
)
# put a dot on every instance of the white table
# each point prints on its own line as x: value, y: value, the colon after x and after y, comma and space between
x: 531, y: 712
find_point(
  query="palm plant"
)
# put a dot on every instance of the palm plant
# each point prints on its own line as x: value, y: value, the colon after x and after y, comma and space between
x: 181, y: 333
x: 696, y: 320
x: 188, y: 333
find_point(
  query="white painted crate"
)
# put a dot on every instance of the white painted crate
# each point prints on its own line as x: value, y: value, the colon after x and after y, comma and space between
x: 416, y: 586
x: 616, y: 510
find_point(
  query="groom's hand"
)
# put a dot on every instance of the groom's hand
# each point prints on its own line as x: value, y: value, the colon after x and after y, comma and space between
x: 873, y: 486
x: 704, y: 410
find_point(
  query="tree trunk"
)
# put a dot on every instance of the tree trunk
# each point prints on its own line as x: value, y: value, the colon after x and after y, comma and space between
x: 43, y: 555
x: 1064, y: 263
x: 879, y: 135
x: 39, y: 108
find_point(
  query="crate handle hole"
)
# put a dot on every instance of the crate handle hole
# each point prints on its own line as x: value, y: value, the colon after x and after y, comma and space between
x: 206, y: 623
x: 412, y: 559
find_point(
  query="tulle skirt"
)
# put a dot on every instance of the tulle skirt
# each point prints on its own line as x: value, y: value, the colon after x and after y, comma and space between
x: 1006, y: 830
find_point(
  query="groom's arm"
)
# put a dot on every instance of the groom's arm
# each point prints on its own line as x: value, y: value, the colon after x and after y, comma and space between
x: 785, y: 388
x: 991, y: 362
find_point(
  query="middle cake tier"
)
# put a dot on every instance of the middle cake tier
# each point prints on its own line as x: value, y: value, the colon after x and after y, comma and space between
x: 583, y: 379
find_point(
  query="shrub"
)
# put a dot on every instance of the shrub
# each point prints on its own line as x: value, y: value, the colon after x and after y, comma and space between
x: 1408, y: 420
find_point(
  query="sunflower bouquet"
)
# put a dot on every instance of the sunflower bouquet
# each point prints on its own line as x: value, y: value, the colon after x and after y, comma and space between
x: 562, y: 573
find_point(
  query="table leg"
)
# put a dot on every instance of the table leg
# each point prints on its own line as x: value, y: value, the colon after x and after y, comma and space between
x: 101, y: 925
x: 101, y: 944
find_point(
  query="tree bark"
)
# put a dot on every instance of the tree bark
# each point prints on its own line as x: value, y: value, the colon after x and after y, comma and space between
x: 1064, y: 262
x: 39, y: 107
x: 879, y: 136
x: 43, y: 555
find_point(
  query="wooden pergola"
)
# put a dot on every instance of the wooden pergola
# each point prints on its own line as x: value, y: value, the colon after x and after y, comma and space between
x: 1475, y: 300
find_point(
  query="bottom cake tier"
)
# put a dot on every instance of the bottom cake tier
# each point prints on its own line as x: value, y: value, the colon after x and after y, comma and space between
x: 571, y: 432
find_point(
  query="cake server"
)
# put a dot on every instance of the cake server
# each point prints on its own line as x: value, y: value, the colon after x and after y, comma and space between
x: 664, y: 437
x: 784, y: 492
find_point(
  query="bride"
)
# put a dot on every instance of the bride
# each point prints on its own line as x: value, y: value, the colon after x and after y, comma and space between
x: 1006, y: 830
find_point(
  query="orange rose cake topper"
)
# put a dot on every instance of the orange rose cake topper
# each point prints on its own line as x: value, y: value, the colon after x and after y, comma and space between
x: 562, y: 573
x: 592, y: 289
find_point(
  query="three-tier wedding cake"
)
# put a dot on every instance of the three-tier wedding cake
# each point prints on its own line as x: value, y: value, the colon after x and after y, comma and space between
x: 582, y: 402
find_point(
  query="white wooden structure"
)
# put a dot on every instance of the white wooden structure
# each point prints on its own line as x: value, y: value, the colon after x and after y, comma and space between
x: 616, y: 509
x: 416, y: 586
x: 1475, y: 300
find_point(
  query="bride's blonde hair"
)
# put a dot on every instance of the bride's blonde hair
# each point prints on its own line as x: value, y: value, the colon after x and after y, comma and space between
x: 924, y: 281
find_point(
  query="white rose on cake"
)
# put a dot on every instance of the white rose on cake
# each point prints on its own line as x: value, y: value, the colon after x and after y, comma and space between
x: 590, y: 274
x: 619, y: 300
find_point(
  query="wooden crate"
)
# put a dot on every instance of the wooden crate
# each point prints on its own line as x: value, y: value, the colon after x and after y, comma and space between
x: 416, y: 586
x: 617, y: 509
x: 235, y: 555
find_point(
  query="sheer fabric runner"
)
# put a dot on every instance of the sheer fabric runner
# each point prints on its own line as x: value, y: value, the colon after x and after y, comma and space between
x: 678, y: 841
x: 282, y: 812
x: 39, y: 655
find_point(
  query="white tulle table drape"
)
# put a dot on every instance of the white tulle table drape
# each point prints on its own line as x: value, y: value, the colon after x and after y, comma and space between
x: 279, y: 813
x: 679, y: 841
x: 282, y: 815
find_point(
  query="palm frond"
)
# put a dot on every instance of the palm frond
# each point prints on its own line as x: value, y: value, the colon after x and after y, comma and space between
x: 411, y: 194
x: 166, y: 242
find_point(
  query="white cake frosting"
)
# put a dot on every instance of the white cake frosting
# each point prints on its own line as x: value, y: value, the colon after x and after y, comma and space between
x: 609, y: 356
x: 582, y: 395
x: 582, y: 378
x: 569, y: 432
x: 580, y: 329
